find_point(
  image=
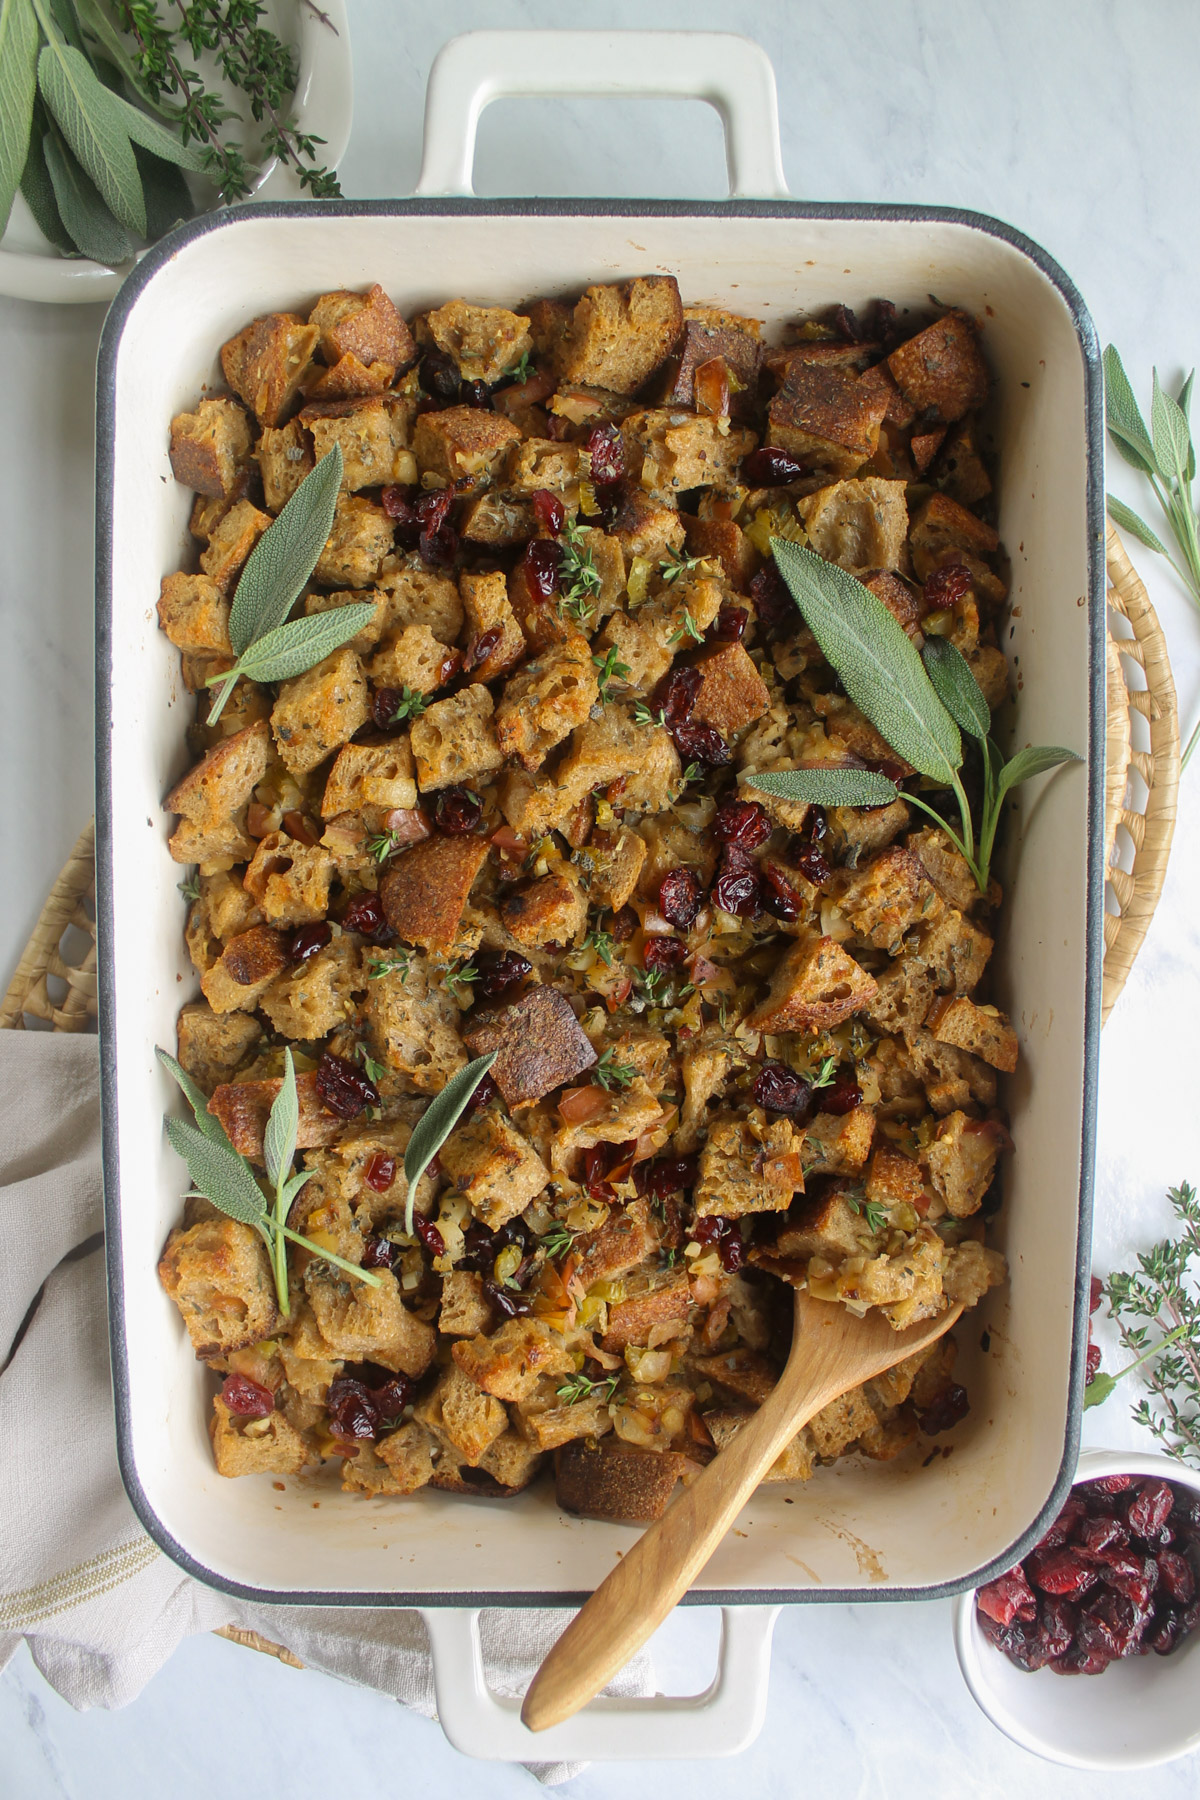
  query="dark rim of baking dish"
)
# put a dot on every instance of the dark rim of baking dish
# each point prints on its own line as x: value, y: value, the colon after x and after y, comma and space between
x: 114, y: 325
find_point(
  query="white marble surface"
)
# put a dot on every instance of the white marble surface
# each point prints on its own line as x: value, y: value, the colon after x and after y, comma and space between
x: 1076, y: 122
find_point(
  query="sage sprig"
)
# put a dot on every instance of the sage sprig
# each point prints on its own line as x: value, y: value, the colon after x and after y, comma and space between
x: 920, y: 707
x: 220, y: 1174
x: 1166, y: 455
x: 268, y: 646
x: 436, y: 1123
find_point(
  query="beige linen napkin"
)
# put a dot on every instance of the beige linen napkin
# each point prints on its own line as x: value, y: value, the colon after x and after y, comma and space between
x: 99, y: 1605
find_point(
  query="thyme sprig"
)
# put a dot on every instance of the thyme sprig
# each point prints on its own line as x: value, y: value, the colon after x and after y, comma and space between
x: 613, y: 1074
x: 580, y: 1387
x: 578, y: 576
x: 609, y: 669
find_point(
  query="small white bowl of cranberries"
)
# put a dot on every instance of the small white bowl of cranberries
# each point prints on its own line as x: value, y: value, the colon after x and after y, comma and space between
x: 1088, y: 1651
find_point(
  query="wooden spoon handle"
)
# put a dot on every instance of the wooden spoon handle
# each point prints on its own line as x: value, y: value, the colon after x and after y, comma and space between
x: 636, y: 1597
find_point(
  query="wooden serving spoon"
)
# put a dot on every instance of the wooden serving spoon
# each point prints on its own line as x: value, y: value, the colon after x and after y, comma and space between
x: 832, y: 1351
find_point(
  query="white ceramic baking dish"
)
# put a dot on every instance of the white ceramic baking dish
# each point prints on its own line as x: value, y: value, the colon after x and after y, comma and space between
x: 856, y: 1531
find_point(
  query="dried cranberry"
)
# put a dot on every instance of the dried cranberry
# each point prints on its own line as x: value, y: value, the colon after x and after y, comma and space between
x: 1078, y: 1661
x: 542, y: 564
x: 672, y: 1177
x: 476, y: 394
x: 623, y: 924
x: 1097, y: 1293
x: 675, y: 695
x: 456, y: 810
x: 1064, y: 1571
x: 1165, y: 1632
x: 429, y: 1235
x: 247, y: 1399
x: 1007, y: 1598
x: 1064, y: 1526
x: 385, y: 703
x: 499, y: 970
x: 743, y: 822
x: 439, y: 376
x: 481, y: 647
x: 511, y: 1304
x: 380, y: 1172
x: 1134, y: 1576
x: 947, y: 1411
x: 484, y: 1093
x: 781, y: 1090
x: 549, y: 511
x: 353, y: 1416
x: 1175, y: 1577
x: 738, y: 889
x: 365, y: 915
x: 1020, y: 1641
x: 679, y: 894
x: 308, y: 940
x: 1151, y: 1507
x: 480, y: 1249
x: 1185, y: 1513
x: 845, y: 324
x: 1111, y: 1625
x: 1101, y: 1533
x: 702, y: 744
x: 1093, y: 1362
x: 378, y: 1253
x: 344, y: 1089
x: 606, y: 448
x: 723, y: 1236
x: 946, y: 585
x: 1106, y: 1484
x: 770, y: 467
x: 885, y: 329
x: 390, y: 1399
x: 729, y: 626
x: 774, y: 607
x: 399, y: 505
x: 842, y: 1096
x: 780, y: 898
x: 1057, y: 1620
x: 663, y: 953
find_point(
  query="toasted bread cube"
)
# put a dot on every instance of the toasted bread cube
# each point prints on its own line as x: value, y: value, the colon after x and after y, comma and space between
x: 319, y: 711
x: 941, y: 370
x: 364, y: 641
x: 497, y: 517
x: 229, y: 909
x: 906, y: 1286
x: 267, y: 1446
x: 487, y: 609
x: 943, y: 531
x: 231, y: 542
x: 893, y: 1179
x: 665, y: 1302
x: 858, y: 524
x: 888, y: 896
x: 463, y: 445
x: 905, y: 994
x: 544, y: 701
x: 462, y: 1415
x: 861, y: 829
x: 246, y: 966
x: 826, y: 418
x: 839, y: 1143
x: 945, y: 866
x: 850, y: 731
x: 364, y: 431
x: 243, y: 1108
x: 360, y: 1323
x: 412, y: 1025
x: 206, y: 515
x: 732, y: 692
x: 646, y: 528
x: 511, y: 1361
x: 370, y: 775
x: 534, y: 807
x: 618, y: 1481
x: 642, y: 647
x: 893, y: 590
x: 615, y: 749
x: 400, y: 1463
x: 794, y: 1462
x: 989, y: 666
x: 952, y: 1078
x: 971, y: 1269
x: 709, y: 335
x: 549, y: 322
x: 839, y: 1424
x: 621, y: 1243
x: 219, y: 1276
x: 284, y: 456
x: 366, y: 326
x: 954, y: 951
x: 748, y: 1165
x: 266, y: 363
x: 723, y: 541
x: 609, y: 865
x: 552, y: 910
x: 194, y: 613
x: 962, y: 1161
x: 545, y: 463
x: 539, y: 1041
x: 828, y: 1227
x: 317, y: 995
x: 350, y: 379
x: 548, y: 1422
x: 815, y: 986
x: 211, y: 1045
x: 960, y: 471
x: 512, y: 1462
x: 625, y: 1114
x: 415, y: 595
x: 357, y: 546
x: 671, y: 451
x: 983, y: 1030
x: 426, y: 890
x: 289, y: 880
x: 210, y: 447
x: 620, y: 334
x: 212, y: 797
x: 454, y: 740
x: 495, y: 1166
x: 484, y: 341
x: 465, y: 1310
x: 413, y: 658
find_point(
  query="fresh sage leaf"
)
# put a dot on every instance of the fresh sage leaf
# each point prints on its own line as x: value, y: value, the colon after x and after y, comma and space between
x: 1098, y: 1389
x: 827, y: 786
x: 84, y: 111
x: 286, y: 555
x: 67, y: 20
x: 168, y: 198
x: 956, y: 686
x: 220, y: 1174
x: 1170, y: 434
x: 876, y: 660
x: 152, y: 136
x: 291, y: 1188
x: 91, y: 226
x: 437, y: 1122
x: 1127, y: 519
x: 208, y: 1122
x: 283, y: 1126
x: 1034, y: 760
x: 38, y: 188
x: 299, y: 645
x: 1124, y: 419
x: 18, y: 86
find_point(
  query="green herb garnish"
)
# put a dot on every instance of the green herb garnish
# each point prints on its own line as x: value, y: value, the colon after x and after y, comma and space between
x: 223, y: 1176
x: 873, y: 1211
x: 411, y: 705
x: 557, y: 1241
x: 602, y: 943
x: 190, y: 888
x: 375, y: 1070
x: 382, y: 846
x: 643, y: 716
x: 687, y: 628
x: 578, y: 576
x: 523, y: 370
x: 609, y: 669
x: 825, y: 1074
x: 456, y: 980
x: 436, y: 1123
x: 675, y: 563
x: 388, y: 965
x: 579, y: 1387
x: 612, y: 1074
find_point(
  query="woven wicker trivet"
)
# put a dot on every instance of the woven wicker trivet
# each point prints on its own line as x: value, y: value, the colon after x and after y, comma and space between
x: 55, y: 980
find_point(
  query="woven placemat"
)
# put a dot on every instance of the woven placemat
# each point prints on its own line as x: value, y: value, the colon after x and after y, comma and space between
x: 55, y: 981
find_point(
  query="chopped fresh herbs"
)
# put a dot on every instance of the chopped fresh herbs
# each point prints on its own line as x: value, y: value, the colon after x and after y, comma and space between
x: 613, y: 1074
x: 652, y: 986
x: 873, y: 1211
x: 642, y: 715
x: 825, y: 1074
x: 411, y: 705
x: 579, y: 577
x: 190, y: 889
x: 455, y: 981
x: 374, y: 1069
x: 675, y: 563
x: 579, y: 1387
x: 388, y: 965
x: 686, y: 628
x: 557, y: 1241
x: 602, y: 943
x: 383, y: 846
x: 523, y: 370
x: 609, y: 669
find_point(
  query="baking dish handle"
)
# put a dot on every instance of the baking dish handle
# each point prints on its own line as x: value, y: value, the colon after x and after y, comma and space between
x: 731, y: 73
x: 721, y: 1721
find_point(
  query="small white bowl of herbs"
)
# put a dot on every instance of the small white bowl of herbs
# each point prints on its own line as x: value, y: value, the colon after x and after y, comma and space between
x: 119, y: 119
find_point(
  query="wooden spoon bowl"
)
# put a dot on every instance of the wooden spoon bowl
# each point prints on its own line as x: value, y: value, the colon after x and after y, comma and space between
x: 832, y: 1351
